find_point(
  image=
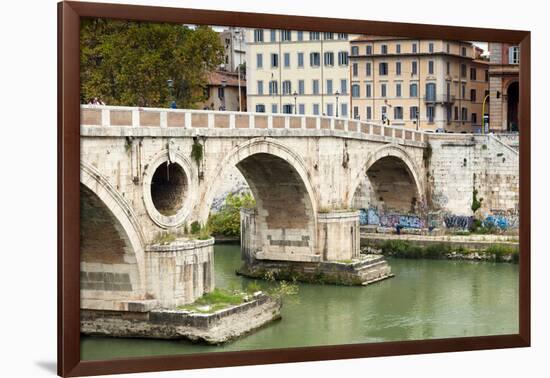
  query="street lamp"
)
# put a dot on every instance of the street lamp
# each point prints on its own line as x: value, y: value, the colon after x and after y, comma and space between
x: 337, y: 94
x: 295, y: 96
x: 483, y: 113
x: 170, y: 84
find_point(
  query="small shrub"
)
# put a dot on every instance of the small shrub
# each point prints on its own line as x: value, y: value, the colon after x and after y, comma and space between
x: 195, y: 227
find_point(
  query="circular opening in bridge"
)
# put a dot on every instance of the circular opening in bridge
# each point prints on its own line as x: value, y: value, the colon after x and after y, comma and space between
x: 168, y: 188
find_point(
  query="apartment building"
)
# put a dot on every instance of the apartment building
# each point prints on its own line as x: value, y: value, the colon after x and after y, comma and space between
x: 298, y: 72
x: 421, y: 84
x: 504, y: 87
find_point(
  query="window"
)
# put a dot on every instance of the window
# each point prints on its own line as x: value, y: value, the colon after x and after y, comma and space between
x: 473, y: 73
x: 486, y: 75
x: 273, y: 35
x: 383, y: 69
x: 463, y: 51
x: 286, y: 35
x: 456, y: 113
x: 398, y: 90
x: 463, y: 91
x: 343, y: 58
x: 463, y: 70
x: 355, y: 90
x: 273, y: 88
x: 301, y: 87
x: 431, y: 47
x: 329, y: 86
x: 430, y: 113
x: 473, y: 95
x: 273, y: 108
x: 315, y: 86
x: 513, y: 55
x: 384, y: 112
x: 398, y: 68
x: 474, y: 118
x: 287, y: 87
x: 464, y: 114
x: 259, y: 61
x: 329, y: 58
x: 414, y: 67
x: 287, y: 109
x: 301, y: 109
x: 344, y: 110
x: 383, y: 90
x: 300, y: 60
x: 354, y: 69
x: 355, y: 112
x: 343, y: 86
x: 448, y: 70
x: 398, y: 112
x: 314, y: 59
x: 342, y: 36
x: 414, y: 48
x: 368, y: 112
x: 368, y: 90
x: 398, y: 49
x: 448, y: 48
x: 260, y: 108
x: 260, y: 87
x: 368, y: 69
x: 330, y: 110
x: 287, y: 60
x: 413, y: 90
x: 314, y: 36
x: 315, y: 109
x: 274, y: 60
x: 354, y: 50
x: 259, y: 36
x: 221, y: 93
x: 328, y: 36
x: 413, y: 112
x: 369, y: 49
x: 384, y: 49
x: 449, y: 113
x: 448, y: 92
x: 431, y: 67
x: 300, y: 35
x: 430, y: 91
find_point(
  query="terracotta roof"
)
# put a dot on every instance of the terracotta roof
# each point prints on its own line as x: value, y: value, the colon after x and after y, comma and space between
x: 231, y: 79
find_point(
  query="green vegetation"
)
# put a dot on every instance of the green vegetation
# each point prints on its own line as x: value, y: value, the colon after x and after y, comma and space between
x: 405, y: 249
x: 476, y: 204
x: 129, y: 62
x: 196, y: 152
x: 164, y: 238
x: 216, y: 300
x: 227, y: 221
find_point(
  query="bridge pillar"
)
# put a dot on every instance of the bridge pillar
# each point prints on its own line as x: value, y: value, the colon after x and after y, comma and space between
x: 338, y: 235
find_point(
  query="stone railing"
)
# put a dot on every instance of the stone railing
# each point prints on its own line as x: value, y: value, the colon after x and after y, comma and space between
x: 106, y: 116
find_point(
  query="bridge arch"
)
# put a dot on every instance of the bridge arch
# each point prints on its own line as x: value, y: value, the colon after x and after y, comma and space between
x: 393, y: 178
x: 117, y: 240
x: 286, y: 202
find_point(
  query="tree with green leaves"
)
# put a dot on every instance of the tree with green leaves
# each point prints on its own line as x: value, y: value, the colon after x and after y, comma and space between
x: 227, y: 221
x: 129, y: 63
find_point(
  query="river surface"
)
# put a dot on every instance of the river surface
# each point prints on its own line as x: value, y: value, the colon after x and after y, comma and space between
x: 426, y: 299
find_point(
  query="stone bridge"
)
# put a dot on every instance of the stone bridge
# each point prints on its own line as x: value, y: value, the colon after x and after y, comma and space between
x: 145, y: 171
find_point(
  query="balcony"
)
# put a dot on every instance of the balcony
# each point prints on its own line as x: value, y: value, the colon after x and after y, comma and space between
x: 441, y: 99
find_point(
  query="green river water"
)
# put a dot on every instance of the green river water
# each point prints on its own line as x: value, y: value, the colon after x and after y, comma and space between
x: 426, y: 299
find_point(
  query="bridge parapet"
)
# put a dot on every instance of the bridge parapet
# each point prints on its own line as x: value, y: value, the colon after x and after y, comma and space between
x: 118, y: 116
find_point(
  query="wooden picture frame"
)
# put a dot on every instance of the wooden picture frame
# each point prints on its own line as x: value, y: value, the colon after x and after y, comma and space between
x: 69, y: 363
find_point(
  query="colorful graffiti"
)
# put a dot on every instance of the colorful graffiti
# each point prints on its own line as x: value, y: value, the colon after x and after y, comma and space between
x: 371, y: 216
x: 502, y: 221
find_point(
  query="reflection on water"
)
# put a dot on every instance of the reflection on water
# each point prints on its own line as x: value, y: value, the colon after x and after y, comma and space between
x: 426, y: 299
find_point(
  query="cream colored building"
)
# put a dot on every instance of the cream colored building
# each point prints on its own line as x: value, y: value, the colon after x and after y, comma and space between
x: 298, y: 72
x: 421, y: 84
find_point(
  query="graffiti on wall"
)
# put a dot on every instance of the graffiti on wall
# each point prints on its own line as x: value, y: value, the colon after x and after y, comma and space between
x: 501, y: 219
x: 463, y: 222
x: 371, y: 216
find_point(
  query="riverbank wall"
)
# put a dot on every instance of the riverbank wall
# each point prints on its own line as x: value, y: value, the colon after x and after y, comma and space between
x: 211, y: 328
